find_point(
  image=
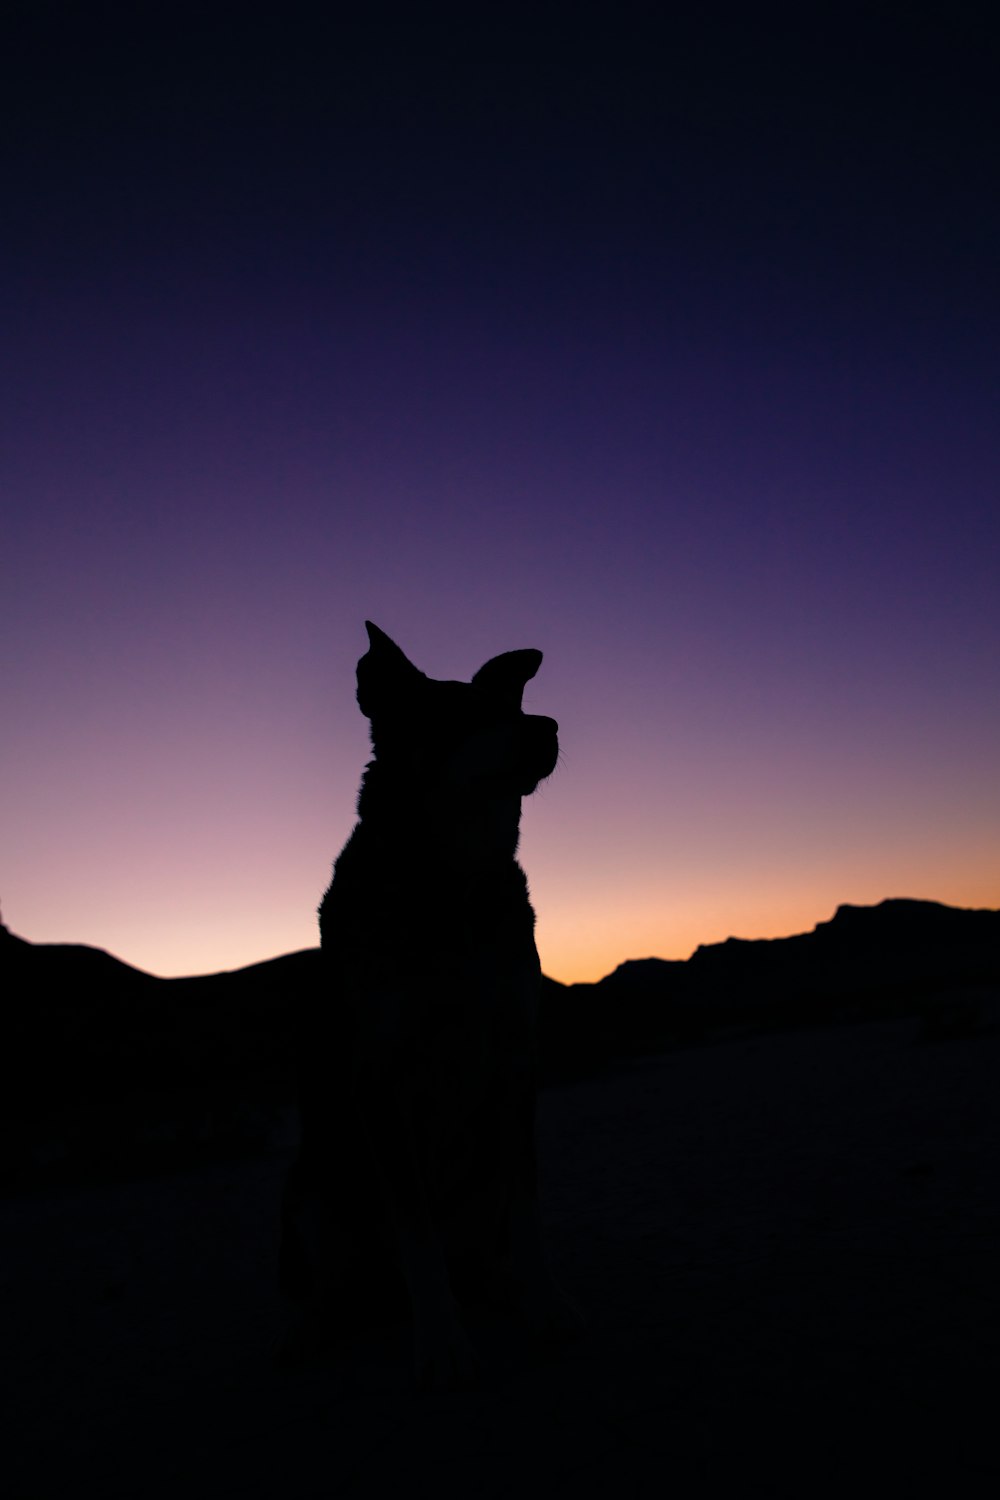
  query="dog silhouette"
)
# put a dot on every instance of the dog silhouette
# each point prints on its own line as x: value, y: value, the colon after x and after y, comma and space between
x: 415, y: 1187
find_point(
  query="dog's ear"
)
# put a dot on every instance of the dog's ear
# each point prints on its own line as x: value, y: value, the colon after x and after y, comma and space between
x: 384, y: 673
x: 505, y: 676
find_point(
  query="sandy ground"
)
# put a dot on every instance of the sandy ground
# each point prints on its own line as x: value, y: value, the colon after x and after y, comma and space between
x: 787, y: 1246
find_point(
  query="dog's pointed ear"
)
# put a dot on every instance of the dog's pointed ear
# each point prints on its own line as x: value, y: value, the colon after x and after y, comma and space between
x: 384, y: 672
x: 505, y: 676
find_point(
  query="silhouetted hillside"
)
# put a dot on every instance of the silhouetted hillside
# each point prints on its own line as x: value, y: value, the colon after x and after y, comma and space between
x: 90, y: 1022
x: 99, y: 1054
x: 104, y: 1064
x: 898, y: 958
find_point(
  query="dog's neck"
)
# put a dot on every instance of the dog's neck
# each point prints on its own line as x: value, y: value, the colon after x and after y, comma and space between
x: 454, y: 828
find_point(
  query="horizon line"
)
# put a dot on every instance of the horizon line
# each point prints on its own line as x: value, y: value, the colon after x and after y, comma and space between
x: 5, y: 932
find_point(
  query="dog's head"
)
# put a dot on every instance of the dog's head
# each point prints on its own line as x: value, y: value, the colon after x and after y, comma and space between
x: 469, y: 736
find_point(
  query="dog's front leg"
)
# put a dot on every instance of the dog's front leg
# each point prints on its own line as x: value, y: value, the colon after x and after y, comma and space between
x: 537, y: 1299
x: 443, y: 1357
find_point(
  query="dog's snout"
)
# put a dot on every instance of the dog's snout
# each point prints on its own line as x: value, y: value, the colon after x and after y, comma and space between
x: 545, y: 732
x: 543, y: 748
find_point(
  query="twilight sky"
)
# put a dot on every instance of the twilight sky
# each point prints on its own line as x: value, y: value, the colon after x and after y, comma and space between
x: 665, y: 344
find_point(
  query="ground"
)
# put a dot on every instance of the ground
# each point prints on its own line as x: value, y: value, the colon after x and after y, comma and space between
x: 786, y: 1245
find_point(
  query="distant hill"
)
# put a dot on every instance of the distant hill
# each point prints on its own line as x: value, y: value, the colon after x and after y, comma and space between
x: 100, y: 1058
x: 900, y: 957
x: 90, y: 1040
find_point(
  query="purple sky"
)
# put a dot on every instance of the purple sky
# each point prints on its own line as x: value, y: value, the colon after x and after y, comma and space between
x: 670, y: 349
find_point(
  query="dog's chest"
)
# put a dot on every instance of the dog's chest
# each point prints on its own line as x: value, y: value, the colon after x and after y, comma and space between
x: 468, y: 1060
x: 467, y: 1027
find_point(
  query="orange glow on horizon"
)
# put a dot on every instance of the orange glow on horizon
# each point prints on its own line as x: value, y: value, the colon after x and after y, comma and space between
x: 576, y: 944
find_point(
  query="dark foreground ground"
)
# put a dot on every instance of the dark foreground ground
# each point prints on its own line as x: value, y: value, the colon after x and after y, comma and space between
x: 787, y: 1246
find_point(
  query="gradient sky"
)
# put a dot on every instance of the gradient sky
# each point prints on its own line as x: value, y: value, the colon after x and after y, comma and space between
x: 667, y: 345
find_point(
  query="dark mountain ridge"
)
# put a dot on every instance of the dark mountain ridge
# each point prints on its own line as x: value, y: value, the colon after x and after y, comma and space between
x: 91, y: 1040
x: 896, y: 958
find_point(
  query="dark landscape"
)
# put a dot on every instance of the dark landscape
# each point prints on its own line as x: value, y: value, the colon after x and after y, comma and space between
x: 658, y: 341
x: 769, y: 1176
x: 109, y: 1068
